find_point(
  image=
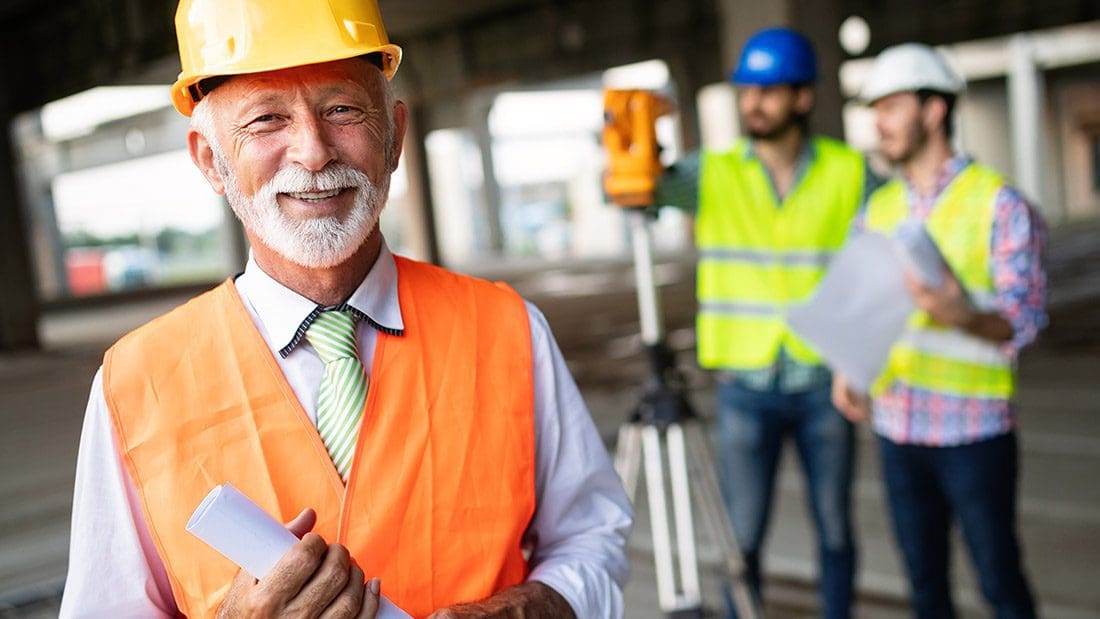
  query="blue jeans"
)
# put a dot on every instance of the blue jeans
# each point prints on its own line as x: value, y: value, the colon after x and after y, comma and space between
x: 930, y: 486
x: 751, y: 428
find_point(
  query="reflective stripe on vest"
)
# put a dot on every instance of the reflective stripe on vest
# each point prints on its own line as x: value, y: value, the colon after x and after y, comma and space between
x: 929, y: 356
x: 756, y: 256
x: 441, y: 487
x: 767, y: 258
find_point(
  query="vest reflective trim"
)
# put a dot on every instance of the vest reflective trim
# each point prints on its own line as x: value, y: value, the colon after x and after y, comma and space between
x: 739, y: 309
x: 763, y: 257
x: 953, y: 344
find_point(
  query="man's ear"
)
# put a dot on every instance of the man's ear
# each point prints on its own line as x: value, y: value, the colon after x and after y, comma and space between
x: 934, y: 113
x: 804, y: 97
x: 400, y: 125
x: 203, y: 156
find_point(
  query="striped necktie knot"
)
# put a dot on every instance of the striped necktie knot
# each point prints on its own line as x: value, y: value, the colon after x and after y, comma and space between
x: 343, y: 391
x: 332, y: 333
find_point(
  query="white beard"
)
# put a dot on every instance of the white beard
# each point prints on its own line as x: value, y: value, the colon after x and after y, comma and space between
x: 317, y: 242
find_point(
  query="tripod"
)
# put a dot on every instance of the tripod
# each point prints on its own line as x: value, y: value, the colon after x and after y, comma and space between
x: 664, y: 427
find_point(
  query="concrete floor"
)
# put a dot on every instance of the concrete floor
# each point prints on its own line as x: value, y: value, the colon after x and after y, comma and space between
x: 591, y: 308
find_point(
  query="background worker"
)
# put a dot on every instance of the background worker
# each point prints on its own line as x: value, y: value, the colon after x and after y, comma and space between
x: 421, y: 423
x: 943, y: 408
x: 770, y: 212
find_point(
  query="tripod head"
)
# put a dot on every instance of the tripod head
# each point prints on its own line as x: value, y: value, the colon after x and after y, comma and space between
x: 630, y: 138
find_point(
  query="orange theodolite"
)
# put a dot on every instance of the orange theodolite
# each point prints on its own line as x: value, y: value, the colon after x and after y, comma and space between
x: 630, y: 138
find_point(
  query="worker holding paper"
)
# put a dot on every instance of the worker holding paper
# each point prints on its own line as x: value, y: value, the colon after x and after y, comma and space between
x: 417, y: 428
x: 943, y: 406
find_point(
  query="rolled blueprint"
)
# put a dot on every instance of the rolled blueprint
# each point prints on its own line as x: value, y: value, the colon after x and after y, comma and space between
x: 244, y: 533
x: 919, y: 253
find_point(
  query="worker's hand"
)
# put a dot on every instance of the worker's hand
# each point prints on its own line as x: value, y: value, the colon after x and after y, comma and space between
x: 948, y: 305
x: 313, y: 579
x: 855, y: 406
x: 531, y: 600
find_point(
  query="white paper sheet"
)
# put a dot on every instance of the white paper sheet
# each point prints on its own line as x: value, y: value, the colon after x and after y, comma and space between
x: 245, y: 534
x: 919, y: 254
x: 859, y: 309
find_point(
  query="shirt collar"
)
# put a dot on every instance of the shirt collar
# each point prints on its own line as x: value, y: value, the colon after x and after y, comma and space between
x: 950, y: 169
x: 286, y: 315
x: 805, y: 157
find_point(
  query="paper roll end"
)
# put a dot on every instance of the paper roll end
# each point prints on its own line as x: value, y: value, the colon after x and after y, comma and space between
x: 204, y: 507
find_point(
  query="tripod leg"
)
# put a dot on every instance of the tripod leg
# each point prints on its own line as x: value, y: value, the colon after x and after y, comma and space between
x: 681, y: 507
x: 709, y: 497
x: 658, y: 514
x: 628, y: 457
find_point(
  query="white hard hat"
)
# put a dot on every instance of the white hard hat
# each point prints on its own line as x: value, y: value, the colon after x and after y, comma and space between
x: 907, y: 68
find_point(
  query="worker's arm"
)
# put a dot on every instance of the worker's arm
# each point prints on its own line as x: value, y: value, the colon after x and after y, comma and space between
x: 582, y: 516
x: 1018, y: 241
x: 530, y: 600
x: 114, y: 570
x: 1019, y: 304
x: 852, y: 403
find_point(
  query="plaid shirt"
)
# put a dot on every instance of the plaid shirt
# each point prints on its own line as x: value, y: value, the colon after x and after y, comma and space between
x: 908, y: 415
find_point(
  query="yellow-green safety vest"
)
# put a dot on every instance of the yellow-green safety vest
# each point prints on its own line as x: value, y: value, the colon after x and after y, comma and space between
x: 930, y: 356
x: 757, y: 256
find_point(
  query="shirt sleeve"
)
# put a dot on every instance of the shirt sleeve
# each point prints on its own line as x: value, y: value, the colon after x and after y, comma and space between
x: 1018, y: 241
x: 114, y: 569
x: 679, y: 185
x: 582, y: 516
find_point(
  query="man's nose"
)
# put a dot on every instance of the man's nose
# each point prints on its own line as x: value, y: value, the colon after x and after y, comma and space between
x: 310, y: 146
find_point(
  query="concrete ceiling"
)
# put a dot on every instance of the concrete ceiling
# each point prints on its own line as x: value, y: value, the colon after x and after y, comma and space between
x: 413, y: 17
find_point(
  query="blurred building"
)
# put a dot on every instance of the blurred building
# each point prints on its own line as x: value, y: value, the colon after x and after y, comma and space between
x: 502, y: 161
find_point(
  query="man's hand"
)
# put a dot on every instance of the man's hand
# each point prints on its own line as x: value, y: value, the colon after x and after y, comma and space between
x: 948, y: 305
x: 855, y: 406
x: 313, y: 579
x: 531, y: 600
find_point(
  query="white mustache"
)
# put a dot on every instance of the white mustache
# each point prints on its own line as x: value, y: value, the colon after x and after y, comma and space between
x: 333, y: 177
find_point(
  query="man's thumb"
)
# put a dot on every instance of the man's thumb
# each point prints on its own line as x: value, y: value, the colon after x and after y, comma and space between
x: 303, y: 523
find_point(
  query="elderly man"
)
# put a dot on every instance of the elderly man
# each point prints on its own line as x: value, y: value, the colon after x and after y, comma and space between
x: 417, y: 427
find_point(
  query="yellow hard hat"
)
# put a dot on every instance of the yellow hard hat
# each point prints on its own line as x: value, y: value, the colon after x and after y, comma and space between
x: 230, y: 37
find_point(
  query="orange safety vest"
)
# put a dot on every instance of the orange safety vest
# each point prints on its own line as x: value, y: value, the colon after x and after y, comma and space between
x: 442, y: 484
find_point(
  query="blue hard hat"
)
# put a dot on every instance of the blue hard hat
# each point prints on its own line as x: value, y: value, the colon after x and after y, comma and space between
x: 776, y: 56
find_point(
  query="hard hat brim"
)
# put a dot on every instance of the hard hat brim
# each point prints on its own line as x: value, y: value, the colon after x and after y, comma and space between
x: 182, y: 90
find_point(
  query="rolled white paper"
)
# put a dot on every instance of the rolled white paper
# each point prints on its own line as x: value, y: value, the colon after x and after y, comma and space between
x: 244, y: 533
x: 239, y: 529
x: 919, y: 253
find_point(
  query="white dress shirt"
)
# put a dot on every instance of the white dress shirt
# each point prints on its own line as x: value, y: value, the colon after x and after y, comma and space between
x: 582, y: 516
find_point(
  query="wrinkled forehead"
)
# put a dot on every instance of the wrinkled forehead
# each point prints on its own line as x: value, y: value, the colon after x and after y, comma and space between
x: 352, y: 76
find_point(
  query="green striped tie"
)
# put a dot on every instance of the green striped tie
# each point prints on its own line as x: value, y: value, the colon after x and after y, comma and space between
x: 343, y: 388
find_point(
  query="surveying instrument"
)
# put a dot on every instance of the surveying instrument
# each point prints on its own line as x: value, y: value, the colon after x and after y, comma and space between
x: 663, y: 432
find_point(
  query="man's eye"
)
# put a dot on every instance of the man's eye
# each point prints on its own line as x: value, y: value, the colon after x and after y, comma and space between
x: 343, y: 111
x: 263, y: 118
